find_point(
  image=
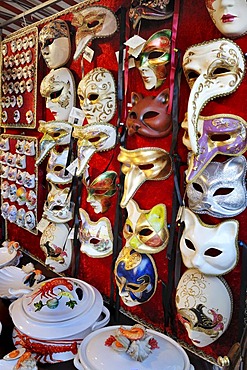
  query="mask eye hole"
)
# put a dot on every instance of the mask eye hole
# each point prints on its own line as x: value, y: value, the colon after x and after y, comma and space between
x: 92, y: 24
x: 146, y: 166
x: 189, y: 244
x: 223, y: 191
x: 213, y: 252
x: 48, y: 42
x: 58, y: 168
x: 93, y: 97
x: 94, y: 241
x: 150, y: 115
x: 132, y: 115
x: 192, y: 75
x: 94, y: 139
x: 220, y: 71
x: 81, y: 98
x: 56, y: 94
x: 146, y: 232
x: 128, y: 228
x: 197, y: 187
x: 155, y: 54
x: 220, y: 137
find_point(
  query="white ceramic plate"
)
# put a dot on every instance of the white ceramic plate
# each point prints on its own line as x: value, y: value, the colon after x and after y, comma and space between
x: 94, y: 355
x: 11, y: 282
x: 5, y: 257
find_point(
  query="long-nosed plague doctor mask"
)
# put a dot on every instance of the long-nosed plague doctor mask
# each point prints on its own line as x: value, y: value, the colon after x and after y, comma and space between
x: 214, y: 68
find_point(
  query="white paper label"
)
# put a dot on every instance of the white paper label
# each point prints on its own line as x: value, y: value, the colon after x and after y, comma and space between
x: 88, y: 54
x: 42, y: 225
x: 71, y: 234
x: 72, y: 167
x: 76, y: 116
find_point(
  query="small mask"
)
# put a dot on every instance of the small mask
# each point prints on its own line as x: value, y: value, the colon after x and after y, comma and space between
x: 17, y: 116
x: 12, y: 174
x: 12, y: 213
x: 20, y: 219
x: 24, y: 72
x: 19, y: 73
x: 4, y: 116
x: 28, y: 56
x: 56, y: 167
x: 20, y: 161
x: 4, y: 144
x: 29, y: 148
x: 96, y: 237
x: 153, y: 58
x: 211, y: 249
x: 134, y: 167
x: 29, y: 220
x: 10, y: 87
x: 21, y: 196
x: 54, y: 39
x: 30, y: 70
x: 4, y: 210
x: 11, y: 160
x: 229, y: 19
x: 204, y: 306
x: 22, y: 58
x: 100, y: 190
x: 12, y: 101
x: 19, y: 101
x: 3, y: 102
x: 4, y: 49
x: 220, y: 190
x: 13, y: 46
x: 11, y: 61
x: 29, y: 181
x: 22, y: 86
x: 5, y: 88
x: 136, y: 277
x: 4, y: 172
x: 20, y: 177
x: 19, y: 44
x: 5, y: 189
x: 17, y: 60
x: 92, y: 22
x: 58, y: 88
x: 146, y: 231
x: 6, y: 62
x: 29, y: 117
x: 25, y: 43
x: 58, y: 207
x: 17, y: 87
x: 219, y: 67
x: 31, y: 41
x: 14, y: 73
x: 19, y: 146
x: 31, y: 199
x: 148, y: 115
x: 3, y: 157
x: 97, y: 95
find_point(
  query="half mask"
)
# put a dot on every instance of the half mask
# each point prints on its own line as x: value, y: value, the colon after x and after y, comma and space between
x: 97, y: 95
x: 146, y: 231
x: 136, y: 277
x: 212, y: 249
x: 96, y: 238
x: 58, y: 88
x: 153, y: 58
x: 229, y: 18
x: 140, y: 165
x: 20, y: 219
x: 148, y: 115
x: 204, y: 306
x: 219, y: 134
x: 93, y: 138
x: 214, y: 68
x: 12, y: 192
x: 58, y: 207
x: 31, y: 201
x: 54, y: 40
x: 92, y: 22
x: 30, y: 220
x: 21, y: 194
x: 151, y: 10
x: 56, y: 167
x: 5, y: 187
x: 12, y: 213
x: 220, y: 190
x: 100, y: 190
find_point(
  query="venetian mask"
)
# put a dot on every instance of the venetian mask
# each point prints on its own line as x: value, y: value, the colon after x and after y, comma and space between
x: 25, y: 43
x: 57, y: 247
x: 56, y: 167
x: 3, y: 156
x: 22, y: 58
x: 146, y: 231
x: 214, y: 68
x: 96, y: 238
x: 58, y: 207
x: 93, y: 138
x: 5, y: 189
x: 29, y: 181
x: 31, y: 199
x: 28, y: 56
x: 148, y: 115
x: 29, y: 116
x: 19, y: 101
x: 100, y: 190
x: 20, y: 219
x: 212, y: 249
x: 92, y: 22
x: 153, y: 58
x: 97, y: 95
x: 19, y: 44
x: 136, y: 277
x: 4, y: 49
x: 58, y: 88
x: 12, y: 213
x: 228, y: 17
x: 140, y: 165
x: 30, y: 70
x: 21, y: 196
x: 19, y: 146
x: 54, y: 39
x: 12, y: 192
x: 10, y: 87
x: 5, y: 172
x: 12, y: 101
x: 13, y: 73
x: 29, y: 85
x: 20, y: 161
x: 220, y: 190
x: 4, y: 210
x: 22, y: 86
x: 24, y: 71
x: 11, y: 61
x: 20, y: 177
x: 13, y: 46
x: 17, y: 60
x: 30, y: 221
x: 4, y: 143
x: 31, y: 41
x: 11, y: 160
x: 152, y: 10
x: 204, y: 306
x: 29, y: 148
x: 4, y: 116
x: 17, y: 87
x: 218, y: 134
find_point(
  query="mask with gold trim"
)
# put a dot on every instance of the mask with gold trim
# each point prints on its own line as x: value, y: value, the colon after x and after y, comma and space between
x: 30, y: 221
x: 20, y: 219
x: 100, y: 190
x: 56, y: 167
x: 54, y: 40
x: 29, y: 148
x: 212, y: 249
x: 96, y: 237
x: 92, y: 22
x: 136, y: 277
x: 140, y: 165
x: 58, y: 207
x: 204, y: 306
x: 29, y: 181
x: 58, y: 88
x: 146, y: 231
x: 97, y: 95
x: 4, y: 143
x: 153, y: 58
x: 93, y: 138
x: 214, y: 68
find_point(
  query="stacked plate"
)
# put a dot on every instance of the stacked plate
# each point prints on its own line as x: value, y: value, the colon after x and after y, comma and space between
x: 9, y: 259
x: 52, y: 320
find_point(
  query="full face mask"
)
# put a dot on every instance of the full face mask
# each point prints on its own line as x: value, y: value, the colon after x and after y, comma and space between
x: 219, y: 134
x: 229, y: 18
x: 12, y: 192
x: 151, y: 10
x: 54, y: 39
x: 97, y: 95
x: 214, y: 68
x: 148, y: 115
x: 96, y: 238
x: 58, y: 88
x: 31, y: 40
x: 20, y: 161
x: 29, y: 181
x: 153, y: 58
x: 56, y: 167
x: 204, y: 306
x: 28, y: 56
x: 29, y: 220
x: 20, y: 218
x: 92, y: 22
x: 4, y: 144
x: 140, y: 165
x: 31, y: 199
x: 4, y: 49
x: 25, y: 43
x: 220, y: 190
x: 100, y: 190
x: 21, y: 194
x: 29, y: 148
x: 93, y: 138
x: 4, y: 210
x: 136, y: 277
x: 212, y: 249
x: 20, y: 177
x: 5, y: 189
x: 58, y: 207
x: 12, y: 173
x: 19, y: 44
x: 29, y: 117
x: 12, y: 213
x: 29, y: 85
x: 146, y: 231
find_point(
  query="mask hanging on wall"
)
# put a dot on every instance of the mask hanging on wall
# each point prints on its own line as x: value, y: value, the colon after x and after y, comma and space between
x: 58, y: 207
x: 56, y: 167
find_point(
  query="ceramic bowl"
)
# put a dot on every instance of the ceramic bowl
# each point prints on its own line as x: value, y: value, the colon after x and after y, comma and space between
x: 9, y: 259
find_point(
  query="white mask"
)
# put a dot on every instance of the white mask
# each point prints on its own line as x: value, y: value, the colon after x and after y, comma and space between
x: 22, y: 86
x: 97, y: 95
x: 19, y: 101
x: 204, y: 306
x: 58, y: 87
x: 29, y: 85
x: 210, y: 249
x: 19, y: 44
x: 58, y: 207
x: 17, y: 116
x: 13, y: 46
x: 25, y: 70
x: 56, y: 166
x: 29, y: 116
x: 20, y: 220
x: 28, y: 56
x: 30, y: 220
x: 4, y: 49
x: 229, y: 16
x: 219, y: 66
x: 25, y: 43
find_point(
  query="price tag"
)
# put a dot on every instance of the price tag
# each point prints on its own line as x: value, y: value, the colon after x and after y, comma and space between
x: 72, y: 167
x: 71, y: 234
x: 42, y: 225
x: 88, y: 54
